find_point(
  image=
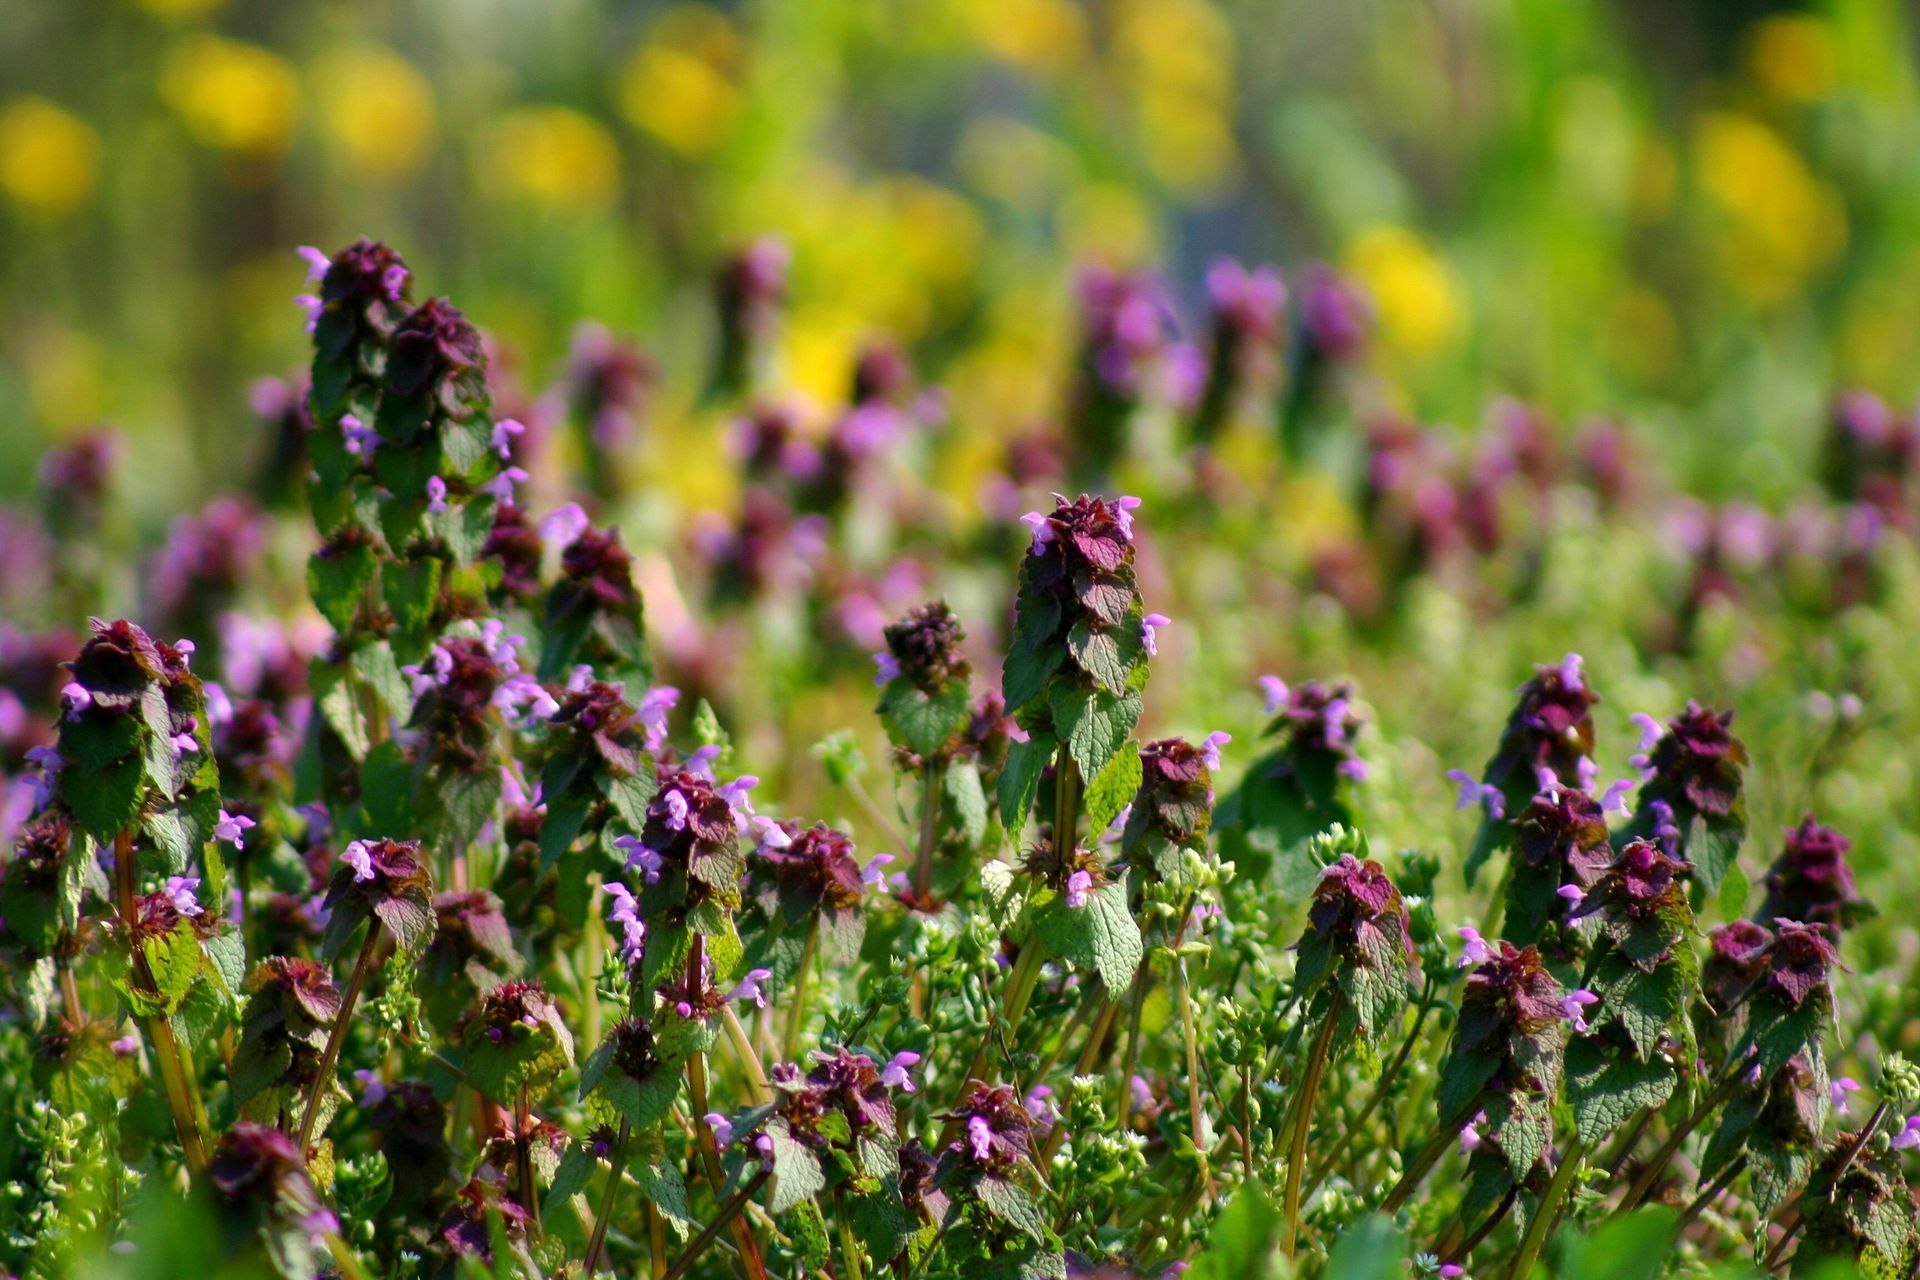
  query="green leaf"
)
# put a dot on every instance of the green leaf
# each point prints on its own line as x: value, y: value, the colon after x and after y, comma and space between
x: 797, y: 1175
x: 1108, y: 655
x: 1243, y: 1240
x: 565, y: 814
x: 1008, y: 1201
x: 338, y: 583
x: 1634, y: 1247
x: 1733, y: 893
x: 1025, y: 674
x: 1020, y: 779
x: 1605, y: 1090
x: 105, y: 801
x: 1713, y: 846
x: 1371, y: 1249
x: 1113, y: 788
x: 174, y: 959
x: 963, y: 805
x: 412, y: 590
x: 465, y: 800
x: 924, y: 724
x: 1101, y: 936
x: 1092, y: 723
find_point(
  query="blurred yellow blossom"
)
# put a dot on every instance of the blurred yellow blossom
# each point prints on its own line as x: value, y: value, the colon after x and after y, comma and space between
x: 1011, y: 160
x: 1044, y: 37
x: 553, y: 155
x: 49, y: 158
x: 1785, y: 222
x: 1792, y: 56
x: 376, y: 110
x: 1177, y: 56
x: 1107, y: 222
x: 680, y: 86
x: 1417, y: 297
x: 234, y: 97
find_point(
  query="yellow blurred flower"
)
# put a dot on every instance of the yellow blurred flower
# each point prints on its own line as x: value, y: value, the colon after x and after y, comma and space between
x: 1043, y: 37
x: 680, y: 85
x: 376, y: 110
x: 234, y: 97
x: 1011, y: 160
x: 1107, y: 222
x: 1792, y: 56
x: 1414, y: 292
x: 553, y: 155
x: 1176, y: 56
x: 49, y: 158
x: 1785, y: 222
x: 1641, y: 335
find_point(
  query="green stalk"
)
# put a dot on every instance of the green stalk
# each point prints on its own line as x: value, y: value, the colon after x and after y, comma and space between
x: 1303, y: 1121
x: 599, y: 1239
x: 749, y: 1060
x: 1547, y: 1211
x: 1385, y: 1082
x: 729, y: 1216
x: 330, y: 1057
x: 194, y: 1141
x: 1019, y: 990
x: 1197, y: 1116
x: 1651, y: 1174
x: 703, y: 1136
x: 850, y: 1252
x: 929, y: 830
x: 797, y: 1016
x: 1132, y: 1057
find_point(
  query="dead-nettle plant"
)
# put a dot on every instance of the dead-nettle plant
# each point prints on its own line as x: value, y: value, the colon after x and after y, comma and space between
x: 452, y: 943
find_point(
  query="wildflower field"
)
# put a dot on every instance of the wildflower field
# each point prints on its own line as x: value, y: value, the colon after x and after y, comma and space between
x: 952, y: 640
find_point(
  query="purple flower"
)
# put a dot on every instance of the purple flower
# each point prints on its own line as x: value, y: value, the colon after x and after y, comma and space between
x: 874, y: 876
x: 1909, y: 1135
x: 1573, y: 1006
x: 501, y: 486
x: 565, y: 525
x: 886, y: 668
x: 722, y: 1128
x: 894, y: 1074
x: 310, y: 304
x: 749, y: 987
x: 180, y: 891
x: 1473, y: 791
x: 1451, y: 1271
x: 1275, y: 690
x: 232, y: 829
x: 1651, y: 730
x: 1147, y: 627
x: 360, y: 858
x: 184, y: 742
x: 1079, y: 888
x: 1470, y: 1139
x: 1838, y: 1090
x: 503, y: 433
x: 1123, y: 513
x: 360, y: 440
x: 980, y: 1137
x: 317, y: 262
x: 76, y: 699
x: 626, y: 914
x: 645, y: 858
x: 372, y: 1091
x: 652, y: 714
x: 125, y: 1046
x: 1210, y: 749
x: 1042, y: 530
x: 1614, y: 798
x: 1573, y: 893
x: 1475, y: 949
x: 436, y: 494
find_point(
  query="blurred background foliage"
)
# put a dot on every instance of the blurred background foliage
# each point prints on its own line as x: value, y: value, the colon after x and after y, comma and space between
x: 1697, y: 216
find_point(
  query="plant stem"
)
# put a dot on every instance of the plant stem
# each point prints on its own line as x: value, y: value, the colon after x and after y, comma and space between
x: 728, y: 1216
x: 749, y: 1060
x: 850, y: 1252
x: 1132, y: 1055
x: 194, y: 1141
x: 1303, y: 1120
x: 344, y: 1258
x: 599, y: 1238
x: 1706, y: 1197
x: 656, y: 1242
x: 797, y: 1016
x: 1422, y: 1163
x: 1780, y: 1246
x: 929, y: 830
x: 1651, y: 1174
x: 523, y: 1157
x: 70, y: 993
x: 1013, y: 1004
x: 1547, y: 1211
x: 1197, y: 1114
x: 330, y: 1056
x: 703, y: 1134
x: 1485, y: 1229
x: 1066, y: 802
x: 1859, y: 1145
x: 1385, y: 1083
